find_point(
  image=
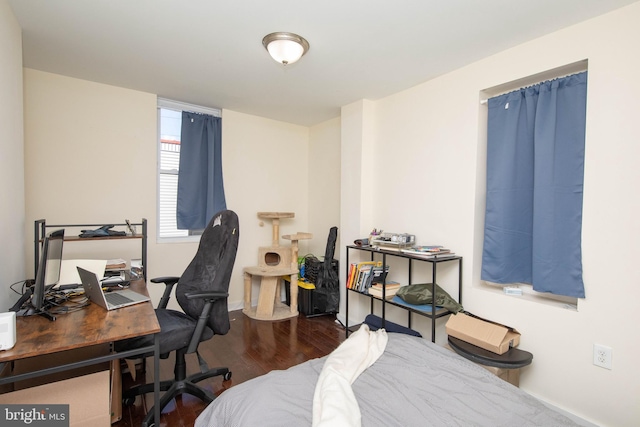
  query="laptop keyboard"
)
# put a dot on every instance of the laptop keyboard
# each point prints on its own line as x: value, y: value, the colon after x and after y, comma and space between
x: 116, y: 299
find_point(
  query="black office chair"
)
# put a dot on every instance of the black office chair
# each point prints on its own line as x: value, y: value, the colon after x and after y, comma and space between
x: 202, y: 293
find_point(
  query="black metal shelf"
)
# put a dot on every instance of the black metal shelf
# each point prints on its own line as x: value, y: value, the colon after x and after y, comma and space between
x: 435, y: 313
x: 41, y: 226
x: 440, y: 311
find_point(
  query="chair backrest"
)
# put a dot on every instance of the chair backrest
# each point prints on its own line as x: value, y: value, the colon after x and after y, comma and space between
x: 210, y: 269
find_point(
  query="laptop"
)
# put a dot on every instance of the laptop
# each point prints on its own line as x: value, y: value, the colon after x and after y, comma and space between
x: 109, y: 300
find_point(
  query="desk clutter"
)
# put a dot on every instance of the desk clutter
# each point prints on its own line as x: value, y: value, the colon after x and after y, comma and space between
x: 113, y: 235
x: 104, y: 231
x: 403, y: 242
x: 58, y: 288
x: 66, y: 299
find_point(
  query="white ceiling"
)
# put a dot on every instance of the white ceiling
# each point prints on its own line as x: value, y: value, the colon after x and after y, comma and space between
x: 210, y: 53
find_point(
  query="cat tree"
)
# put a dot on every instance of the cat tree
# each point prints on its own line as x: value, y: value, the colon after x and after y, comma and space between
x: 275, y: 262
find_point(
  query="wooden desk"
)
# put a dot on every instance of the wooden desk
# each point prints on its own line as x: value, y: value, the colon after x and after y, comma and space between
x: 37, y: 336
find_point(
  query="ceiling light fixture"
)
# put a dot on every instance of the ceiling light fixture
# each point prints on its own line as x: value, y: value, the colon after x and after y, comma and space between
x: 285, y: 48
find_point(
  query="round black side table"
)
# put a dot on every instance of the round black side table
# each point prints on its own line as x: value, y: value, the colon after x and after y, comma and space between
x: 507, y: 365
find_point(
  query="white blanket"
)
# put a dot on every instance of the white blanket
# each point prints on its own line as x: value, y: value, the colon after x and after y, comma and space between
x: 334, y: 403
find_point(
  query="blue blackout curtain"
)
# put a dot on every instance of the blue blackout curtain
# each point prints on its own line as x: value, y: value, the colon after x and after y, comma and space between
x: 535, y: 171
x: 200, y: 186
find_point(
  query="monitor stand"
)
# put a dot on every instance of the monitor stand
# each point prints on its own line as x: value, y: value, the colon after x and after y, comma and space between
x: 23, y: 310
x: 46, y: 315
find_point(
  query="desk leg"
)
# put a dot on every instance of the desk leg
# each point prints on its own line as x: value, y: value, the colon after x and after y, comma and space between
x: 154, y: 420
x: 156, y: 379
x: 156, y: 382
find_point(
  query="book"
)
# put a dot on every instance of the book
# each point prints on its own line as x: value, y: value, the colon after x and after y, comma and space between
x: 359, y: 269
x: 379, y: 274
x: 433, y: 249
x: 390, y: 293
x: 363, y: 278
x: 383, y: 247
x: 390, y: 289
x: 445, y: 255
x: 116, y: 264
x: 433, y: 256
x: 352, y: 271
x: 388, y: 285
x: 429, y: 252
x: 428, y: 248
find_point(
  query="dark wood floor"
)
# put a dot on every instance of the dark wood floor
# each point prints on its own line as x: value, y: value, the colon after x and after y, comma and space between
x: 251, y: 348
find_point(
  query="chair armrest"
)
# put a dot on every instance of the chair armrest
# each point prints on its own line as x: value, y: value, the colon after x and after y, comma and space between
x: 165, y: 279
x: 169, y: 282
x: 206, y: 295
x: 209, y: 299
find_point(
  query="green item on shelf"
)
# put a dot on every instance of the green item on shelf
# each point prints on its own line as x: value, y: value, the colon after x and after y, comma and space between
x: 420, y: 294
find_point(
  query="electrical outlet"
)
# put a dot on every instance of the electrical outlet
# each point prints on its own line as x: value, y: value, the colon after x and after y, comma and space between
x: 602, y: 356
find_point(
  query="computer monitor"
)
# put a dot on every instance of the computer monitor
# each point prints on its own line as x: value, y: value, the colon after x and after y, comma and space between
x: 48, y: 272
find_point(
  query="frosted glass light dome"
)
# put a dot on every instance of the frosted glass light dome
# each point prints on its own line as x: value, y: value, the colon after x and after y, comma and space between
x: 285, y: 48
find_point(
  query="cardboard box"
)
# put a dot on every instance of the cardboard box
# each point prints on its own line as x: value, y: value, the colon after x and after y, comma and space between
x: 55, y: 359
x: 87, y: 397
x: 115, y: 391
x: 69, y: 356
x: 482, y: 333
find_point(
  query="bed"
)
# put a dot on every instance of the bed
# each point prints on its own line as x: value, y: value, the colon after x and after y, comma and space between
x: 413, y: 383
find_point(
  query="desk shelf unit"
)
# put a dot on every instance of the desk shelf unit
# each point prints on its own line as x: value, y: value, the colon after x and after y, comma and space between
x: 41, y: 227
x: 381, y: 255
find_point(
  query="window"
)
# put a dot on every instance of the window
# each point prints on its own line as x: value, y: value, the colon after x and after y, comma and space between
x: 169, y: 124
x: 534, y: 170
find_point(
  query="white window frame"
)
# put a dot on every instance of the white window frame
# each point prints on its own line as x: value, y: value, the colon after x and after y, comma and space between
x: 176, y: 106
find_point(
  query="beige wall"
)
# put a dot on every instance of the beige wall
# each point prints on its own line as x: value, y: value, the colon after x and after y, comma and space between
x: 12, y: 265
x: 265, y: 170
x: 429, y: 137
x: 91, y: 158
x: 324, y: 184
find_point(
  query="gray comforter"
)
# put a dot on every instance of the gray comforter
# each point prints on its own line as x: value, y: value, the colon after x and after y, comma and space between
x: 414, y: 383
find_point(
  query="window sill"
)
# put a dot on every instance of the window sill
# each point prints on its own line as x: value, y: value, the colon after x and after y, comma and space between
x: 529, y: 294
